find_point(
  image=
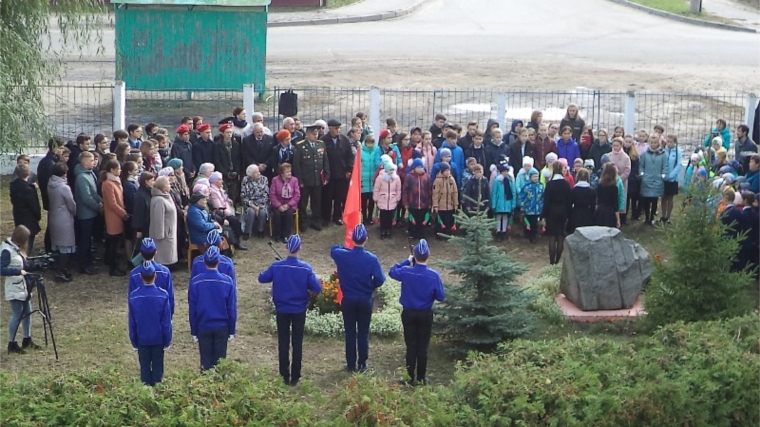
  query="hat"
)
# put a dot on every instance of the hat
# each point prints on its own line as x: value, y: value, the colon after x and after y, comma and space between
x: 203, y: 127
x: 175, y: 163
x: 605, y: 159
x: 214, y: 238
x: 384, y: 134
x: 225, y: 126
x: 216, y: 176
x: 360, y: 234
x: 502, y: 167
x: 725, y: 169
x: 229, y: 119
x: 321, y: 123
x: 527, y: 160
x: 563, y: 162
x: 182, y: 129
x: 445, y: 152
x: 734, y: 164
x: 148, y: 268
x: 166, y: 171
x: 470, y: 159
x: 422, y: 248
x: 415, y: 129
x: 533, y: 171
x: 717, y: 139
x: 212, y: 255
x: 448, y: 125
x: 551, y: 157
x: 294, y: 243
x: 694, y: 157
x: 282, y: 135
x: 589, y: 163
x: 389, y: 166
x: 147, y: 245
x: 443, y: 167
x: 702, y: 171
x: 197, y: 195
x: 312, y: 126
x: 417, y: 163
x: 416, y: 154
x: 333, y: 123
x: 728, y: 178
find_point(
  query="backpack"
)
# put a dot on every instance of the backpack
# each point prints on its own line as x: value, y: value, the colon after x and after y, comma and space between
x: 288, y: 103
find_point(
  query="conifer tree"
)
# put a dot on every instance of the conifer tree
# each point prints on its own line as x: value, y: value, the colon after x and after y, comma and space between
x: 696, y: 282
x: 486, y: 306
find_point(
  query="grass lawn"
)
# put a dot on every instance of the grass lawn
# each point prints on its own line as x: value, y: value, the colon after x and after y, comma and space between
x: 91, y: 330
x: 681, y: 7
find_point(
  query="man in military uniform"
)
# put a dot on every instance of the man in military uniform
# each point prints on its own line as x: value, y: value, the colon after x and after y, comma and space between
x: 312, y: 168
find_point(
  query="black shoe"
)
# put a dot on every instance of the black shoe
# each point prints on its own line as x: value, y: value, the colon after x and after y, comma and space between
x: 284, y: 240
x: 363, y: 369
x: 325, y: 223
x: 115, y: 272
x: 423, y: 382
x: 68, y: 276
x: 347, y: 369
x: 316, y: 227
x: 404, y: 382
x: 61, y: 277
x: 286, y: 380
x: 28, y: 343
x: 294, y: 382
x: 246, y: 236
x: 14, y: 348
x: 338, y: 222
x: 239, y: 246
x: 90, y: 271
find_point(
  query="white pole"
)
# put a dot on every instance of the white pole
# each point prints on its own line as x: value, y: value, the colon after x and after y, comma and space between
x: 249, y: 97
x: 501, y: 110
x: 119, y: 105
x: 630, y: 113
x: 749, y: 111
x: 374, y: 110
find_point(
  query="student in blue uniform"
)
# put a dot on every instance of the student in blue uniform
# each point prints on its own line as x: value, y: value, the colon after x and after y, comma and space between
x: 421, y: 286
x: 212, y: 302
x: 163, y: 275
x: 360, y: 274
x: 292, y: 280
x: 150, y: 325
x: 226, y: 266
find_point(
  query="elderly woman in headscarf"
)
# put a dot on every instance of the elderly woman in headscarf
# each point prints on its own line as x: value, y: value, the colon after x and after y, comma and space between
x: 199, y: 221
x: 221, y: 207
x: 255, y: 197
x: 179, y: 183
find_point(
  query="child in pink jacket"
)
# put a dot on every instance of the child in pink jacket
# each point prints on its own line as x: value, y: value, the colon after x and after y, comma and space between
x: 387, y: 194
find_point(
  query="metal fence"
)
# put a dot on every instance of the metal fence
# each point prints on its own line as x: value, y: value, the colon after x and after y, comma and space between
x: 90, y: 108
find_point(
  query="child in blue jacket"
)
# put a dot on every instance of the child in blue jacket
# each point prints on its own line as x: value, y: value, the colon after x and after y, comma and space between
x: 532, y: 202
x: 503, y: 200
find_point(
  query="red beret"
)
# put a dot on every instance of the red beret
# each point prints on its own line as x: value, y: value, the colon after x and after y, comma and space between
x: 203, y: 127
x: 283, y: 135
x: 183, y: 129
x: 384, y: 134
x: 224, y: 127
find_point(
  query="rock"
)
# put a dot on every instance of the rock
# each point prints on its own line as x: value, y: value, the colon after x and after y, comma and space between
x: 602, y: 270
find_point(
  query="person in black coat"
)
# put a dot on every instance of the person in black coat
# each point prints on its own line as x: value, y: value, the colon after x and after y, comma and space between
x: 634, y: 182
x: 607, y: 214
x: 81, y: 144
x: 341, y: 157
x: 520, y: 148
x: 44, y: 172
x: 557, y: 207
x: 257, y: 149
x: 141, y: 214
x: 203, y: 149
x: 227, y: 161
x: 26, y: 205
x: 749, y: 252
x: 183, y: 149
x: 733, y: 219
x: 584, y: 202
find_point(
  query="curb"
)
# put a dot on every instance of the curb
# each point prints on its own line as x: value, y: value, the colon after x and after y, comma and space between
x: 684, y: 19
x: 352, y: 19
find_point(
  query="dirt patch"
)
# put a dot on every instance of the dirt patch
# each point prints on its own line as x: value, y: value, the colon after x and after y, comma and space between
x: 751, y: 3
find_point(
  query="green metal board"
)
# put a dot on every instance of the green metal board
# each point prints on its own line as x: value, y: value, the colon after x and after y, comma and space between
x: 195, y: 2
x: 182, y: 48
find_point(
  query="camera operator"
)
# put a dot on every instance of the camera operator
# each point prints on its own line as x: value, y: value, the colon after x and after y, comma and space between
x: 12, y: 269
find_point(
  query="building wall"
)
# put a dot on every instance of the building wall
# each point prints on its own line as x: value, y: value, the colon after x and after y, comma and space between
x: 296, y: 3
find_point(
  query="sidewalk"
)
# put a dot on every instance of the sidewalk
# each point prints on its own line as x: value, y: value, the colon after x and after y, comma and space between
x: 363, y: 11
x: 741, y: 14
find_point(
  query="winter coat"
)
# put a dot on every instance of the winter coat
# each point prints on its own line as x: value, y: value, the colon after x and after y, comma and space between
x: 86, y: 193
x: 597, y: 151
x: 387, y: 191
x: 520, y: 181
x: 457, y: 155
x: 584, y: 205
x: 623, y: 164
x: 541, y: 148
x: 203, y: 152
x: 114, y: 210
x: 393, y: 152
x: 406, y: 155
x: 73, y: 163
x: 445, y: 193
x: 516, y: 152
x: 532, y: 198
x: 557, y: 206
x: 199, y: 223
x: 340, y: 155
x: 62, y: 212
x: 479, y: 154
x: 227, y: 159
x: 673, y: 159
x: 278, y: 198
x: 417, y: 192
x: 568, y: 150
x: 725, y: 134
x: 129, y: 188
x: 428, y: 156
x: 653, y: 168
x: 219, y: 202
x: 255, y: 192
x: 504, y: 194
x: 576, y: 125
x: 44, y: 172
x: 163, y: 227
x: 15, y: 285
x: 256, y: 152
x: 370, y: 164
x: 634, y: 179
x: 280, y: 154
x: 141, y: 214
x: 479, y: 195
x: 184, y: 151
x: 495, y: 152
x: 26, y: 205
x: 513, y: 135
x: 487, y: 138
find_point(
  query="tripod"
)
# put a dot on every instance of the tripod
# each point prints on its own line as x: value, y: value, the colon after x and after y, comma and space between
x: 36, y: 280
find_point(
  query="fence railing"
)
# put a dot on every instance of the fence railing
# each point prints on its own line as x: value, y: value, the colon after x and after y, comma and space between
x: 101, y: 108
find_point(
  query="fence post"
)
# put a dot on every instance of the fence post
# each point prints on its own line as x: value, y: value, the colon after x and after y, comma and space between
x: 119, y: 105
x: 501, y: 110
x: 749, y: 111
x: 249, y: 95
x: 374, y: 109
x: 630, y: 113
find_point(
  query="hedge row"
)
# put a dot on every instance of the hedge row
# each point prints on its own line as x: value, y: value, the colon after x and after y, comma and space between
x: 703, y: 374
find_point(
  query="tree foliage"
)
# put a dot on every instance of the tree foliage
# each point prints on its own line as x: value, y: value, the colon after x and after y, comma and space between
x: 29, y: 61
x: 486, y: 306
x: 697, y: 282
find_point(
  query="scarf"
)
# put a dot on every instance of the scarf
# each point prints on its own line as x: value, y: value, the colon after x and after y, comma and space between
x: 285, y: 153
x: 287, y: 190
x: 507, y: 186
x: 242, y: 124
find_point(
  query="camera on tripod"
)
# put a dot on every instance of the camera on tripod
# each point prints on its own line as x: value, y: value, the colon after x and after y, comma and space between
x: 40, y: 263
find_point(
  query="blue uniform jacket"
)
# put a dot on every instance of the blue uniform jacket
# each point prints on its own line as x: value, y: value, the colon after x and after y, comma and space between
x: 359, y: 272
x: 163, y: 281
x: 292, y: 279
x: 420, y: 285
x: 213, y: 302
x: 150, y: 318
x: 226, y: 267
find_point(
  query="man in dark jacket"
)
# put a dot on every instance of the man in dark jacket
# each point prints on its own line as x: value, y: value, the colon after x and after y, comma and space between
x: 466, y: 141
x: 44, y: 172
x: 183, y: 149
x: 203, y: 150
x: 341, y: 164
x: 496, y: 149
x: 81, y: 144
x: 257, y: 149
x: 26, y: 205
x: 520, y: 148
x: 227, y: 161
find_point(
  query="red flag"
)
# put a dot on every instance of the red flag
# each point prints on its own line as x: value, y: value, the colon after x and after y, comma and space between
x: 352, y: 211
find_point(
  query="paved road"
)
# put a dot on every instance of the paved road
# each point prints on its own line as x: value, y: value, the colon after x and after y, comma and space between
x: 596, y: 30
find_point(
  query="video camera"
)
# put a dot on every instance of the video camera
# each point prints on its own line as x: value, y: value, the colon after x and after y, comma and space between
x: 40, y: 263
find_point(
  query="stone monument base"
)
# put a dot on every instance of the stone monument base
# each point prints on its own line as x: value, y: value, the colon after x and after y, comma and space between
x: 574, y: 314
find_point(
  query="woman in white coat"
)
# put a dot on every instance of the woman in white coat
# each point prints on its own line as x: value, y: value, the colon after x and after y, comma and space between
x: 163, y: 222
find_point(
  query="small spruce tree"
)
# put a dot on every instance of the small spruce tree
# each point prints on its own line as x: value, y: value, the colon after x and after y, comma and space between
x: 486, y: 306
x: 697, y: 283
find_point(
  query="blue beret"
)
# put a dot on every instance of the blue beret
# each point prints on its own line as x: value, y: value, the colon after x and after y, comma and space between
x: 148, y: 268
x: 214, y: 238
x: 360, y: 233
x: 148, y: 245
x: 422, y: 248
x: 294, y: 243
x: 211, y: 255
